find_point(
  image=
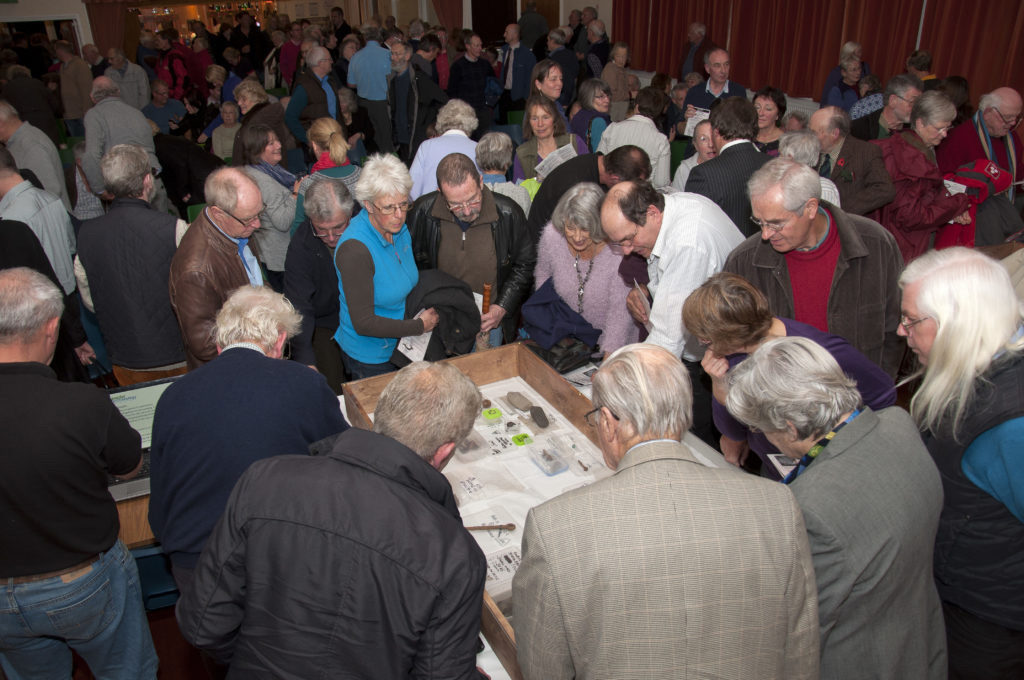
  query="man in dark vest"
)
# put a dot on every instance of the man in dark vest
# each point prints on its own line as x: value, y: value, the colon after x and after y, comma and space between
x: 315, y: 95
x: 123, y: 265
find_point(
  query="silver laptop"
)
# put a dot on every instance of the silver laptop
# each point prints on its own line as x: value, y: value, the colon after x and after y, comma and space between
x: 137, y: 403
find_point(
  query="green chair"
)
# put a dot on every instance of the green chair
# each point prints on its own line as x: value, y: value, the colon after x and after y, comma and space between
x: 227, y: 160
x: 515, y: 117
x: 194, y: 210
x: 67, y: 156
x: 62, y: 132
x: 278, y: 91
x: 678, y: 150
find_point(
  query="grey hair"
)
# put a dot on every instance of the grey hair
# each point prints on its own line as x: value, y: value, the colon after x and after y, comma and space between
x: 231, y: 104
x: 707, y: 55
x: 596, y: 27
x: 252, y: 90
x: 371, y: 32
x: 793, y: 381
x: 838, y: 119
x: 848, y: 50
x: 693, y: 79
x: 648, y: 390
x: 383, y: 175
x: 28, y: 300
x: 324, y: 196
x: 222, y: 186
x: 347, y: 98
x: 494, y: 152
x: 124, y: 170
x: 556, y: 36
x: 18, y: 71
x: 589, y: 90
x: 415, y: 28
x: 316, y: 55
x: 427, y: 405
x: 700, y: 28
x: 799, y: 182
x: 580, y: 207
x: 971, y: 299
x: 102, y: 89
x: 803, y: 146
x: 257, y: 315
x: 931, y: 108
x: 7, y: 111
x: 798, y: 115
x: 900, y: 84
x: 456, y: 115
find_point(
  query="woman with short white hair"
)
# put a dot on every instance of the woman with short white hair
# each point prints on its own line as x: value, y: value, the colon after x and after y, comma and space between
x: 803, y: 146
x: 377, y: 271
x: 963, y: 320
x: 456, y: 121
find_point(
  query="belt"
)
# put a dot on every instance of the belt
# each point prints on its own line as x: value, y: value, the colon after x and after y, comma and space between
x: 84, y: 567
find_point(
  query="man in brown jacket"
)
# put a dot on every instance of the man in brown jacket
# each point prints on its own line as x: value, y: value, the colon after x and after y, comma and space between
x: 75, y: 86
x: 214, y: 258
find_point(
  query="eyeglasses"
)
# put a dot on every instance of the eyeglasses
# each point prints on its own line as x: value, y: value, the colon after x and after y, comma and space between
x: 943, y: 128
x: 327, y: 232
x: 775, y: 226
x: 592, y: 417
x: 627, y: 242
x: 246, y: 221
x: 909, y: 323
x: 466, y: 205
x: 909, y: 101
x: 404, y: 207
x: 1012, y: 121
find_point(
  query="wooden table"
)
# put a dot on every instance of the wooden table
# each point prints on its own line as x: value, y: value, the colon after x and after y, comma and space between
x: 134, y: 515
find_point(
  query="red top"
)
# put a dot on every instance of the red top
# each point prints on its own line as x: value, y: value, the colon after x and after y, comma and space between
x: 810, y: 276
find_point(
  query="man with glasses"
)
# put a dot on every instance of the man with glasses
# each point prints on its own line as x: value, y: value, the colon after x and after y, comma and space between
x: 900, y: 94
x: 477, y: 236
x: 214, y: 258
x: 310, y: 280
x: 991, y: 133
x: 820, y: 265
x: 685, y: 238
x: 856, y: 167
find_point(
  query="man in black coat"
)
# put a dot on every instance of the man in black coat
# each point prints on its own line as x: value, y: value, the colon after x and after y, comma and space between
x: 413, y: 101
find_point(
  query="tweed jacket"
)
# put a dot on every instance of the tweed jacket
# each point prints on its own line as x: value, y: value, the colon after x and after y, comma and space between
x: 860, y: 175
x: 864, y: 301
x: 723, y: 179
x: 667, y: 569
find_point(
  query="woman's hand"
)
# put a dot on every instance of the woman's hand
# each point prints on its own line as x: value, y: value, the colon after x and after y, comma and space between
x: 429, y: 318
x: 735, y: 452
x: 717, y: 367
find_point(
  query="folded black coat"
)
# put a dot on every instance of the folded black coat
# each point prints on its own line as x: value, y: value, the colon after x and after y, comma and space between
x: 459, y: 318
x: 548, y: 319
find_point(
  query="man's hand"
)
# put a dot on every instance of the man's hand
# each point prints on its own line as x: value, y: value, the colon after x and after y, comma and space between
x: 965, y: 218
x: 85, y: 353
x: 492, y: 318
x: 735, y: 452
x: 690, y: 110
x: 635, y: 304
x: 429, y: 318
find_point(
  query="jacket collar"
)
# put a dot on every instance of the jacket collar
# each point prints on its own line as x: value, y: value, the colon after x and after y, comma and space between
x: 851, y: 245
x: 661, y: 449
x: 848, y: 437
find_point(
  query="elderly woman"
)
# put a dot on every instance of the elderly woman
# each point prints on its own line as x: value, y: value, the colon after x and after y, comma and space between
x: 222, y: 86
x: 846, y: 93
x: 224, y: 134
x: 331, y: 150
x: 585, y: 272
x: 262, y: 156
x: 870, y: 496
x: 456, y: 121
x: 963, y: 320
x: 543, y: 131
x: 592, y: 118
x: 922, y: 204
x: 849, y: 50
x: 770, y: 103
x: 357, y: 125
x: 705, y: 151
x: 546, y: 79
x: 803, y: 146
x: 258, y: 110
x: 731, y: 319
x: 615, y: 75
x: 494, y: 158
x: 377, y: 271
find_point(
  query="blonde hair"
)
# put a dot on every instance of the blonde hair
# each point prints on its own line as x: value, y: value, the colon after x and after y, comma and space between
x: 329, y: 136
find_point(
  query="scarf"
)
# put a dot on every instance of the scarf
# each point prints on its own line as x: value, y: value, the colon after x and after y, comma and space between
x: 809, y: 457
x: 324, y: 162
x: 280, y: 175
x: 990, y: 150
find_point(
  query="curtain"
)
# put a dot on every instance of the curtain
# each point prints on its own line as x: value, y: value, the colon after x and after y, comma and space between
x: 656, y: 29
x: 886, y: 44
x: 108, y: 23
x: 449, y: 13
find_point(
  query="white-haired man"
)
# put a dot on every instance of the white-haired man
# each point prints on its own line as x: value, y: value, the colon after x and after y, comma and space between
x: 68, y: 582
x: 698, y: 45
x: 667, y: 568
x: 130, y: 78
x: 315, y: 94
x: 33, y: 150
x: 372, y: 515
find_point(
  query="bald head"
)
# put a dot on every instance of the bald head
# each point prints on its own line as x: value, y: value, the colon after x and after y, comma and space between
x: 102, y: 88
x: 1001, y: 110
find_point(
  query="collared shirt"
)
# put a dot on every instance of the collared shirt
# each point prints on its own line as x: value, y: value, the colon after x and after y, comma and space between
x: 368, y: 71
x: 693, y: 243
x: 642, y: 132
x: 332, y: 98
x: 252, y: 266
x: 45, y: 215
x: 833, y: 155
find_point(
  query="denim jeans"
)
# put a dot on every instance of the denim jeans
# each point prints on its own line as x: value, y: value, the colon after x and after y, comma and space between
x: 99, y: 614
x: 357, y: 370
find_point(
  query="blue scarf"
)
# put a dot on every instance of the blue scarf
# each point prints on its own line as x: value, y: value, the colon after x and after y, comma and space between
x: 280, y: 175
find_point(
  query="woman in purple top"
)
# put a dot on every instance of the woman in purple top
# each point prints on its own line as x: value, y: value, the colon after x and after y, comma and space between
x: 591, y: 120
x: 731, y: 319
x: 572, y: 252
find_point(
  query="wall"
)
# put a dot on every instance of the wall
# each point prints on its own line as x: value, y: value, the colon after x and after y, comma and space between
x: 36, y: 10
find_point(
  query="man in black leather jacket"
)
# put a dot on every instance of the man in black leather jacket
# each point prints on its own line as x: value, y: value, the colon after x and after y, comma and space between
x: 476, y: 236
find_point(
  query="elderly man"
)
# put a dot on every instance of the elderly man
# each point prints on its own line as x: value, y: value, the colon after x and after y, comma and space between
x: 723, y: 178
x: 33, y: 150
x: 870, y: 583
x: 820, y: 265
x: 311, y: 281
x: 718, y: 86
x: 719, y: 580
x: 467, y: 80
x: 900, y: 94
x: 991, y: 133
x: 123, y: 265
x: 163, y: 110
x: 685, y: 238
x: 517, y: 62
x: 855, y: 166
x: 696, y: 49
x: 372, y: 514
x: 368, y: 75
x: 67, y: 579
x: 315, y: 94
x: 129, y: 77
x: 640, y: 130
x: 581, y: 43
x: 414, y: 101
x: 75, y: 84
x: 599, y: 49
x: 95, y: 60
x: 213, y: 423
x: 214, y: 258
x: 562, y: 55
x: 477, y: 236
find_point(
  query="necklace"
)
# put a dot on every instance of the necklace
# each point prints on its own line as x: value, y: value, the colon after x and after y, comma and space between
x: 581, y: 281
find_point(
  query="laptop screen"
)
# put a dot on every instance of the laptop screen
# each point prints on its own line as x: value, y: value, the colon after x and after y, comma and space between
x: 137, y: 403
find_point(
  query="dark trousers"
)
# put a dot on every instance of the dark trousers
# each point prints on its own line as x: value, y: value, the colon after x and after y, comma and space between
x: 328, y: 357
x: 380, y: 116
x: 357, y: 370
x: 506, y: 104
x: 703, y: 423
x: 980, y: 650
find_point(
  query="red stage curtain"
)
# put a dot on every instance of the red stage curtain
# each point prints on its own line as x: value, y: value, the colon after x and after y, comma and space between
x: 449, y: 13
x: 656, y: 30
x: 886, y: 44
x: 107, y: 20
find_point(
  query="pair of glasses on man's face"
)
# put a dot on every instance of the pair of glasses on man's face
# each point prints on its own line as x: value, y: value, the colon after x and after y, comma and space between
x: 249, y: 220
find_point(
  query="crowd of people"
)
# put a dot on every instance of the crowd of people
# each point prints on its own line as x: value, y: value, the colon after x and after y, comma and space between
x: 266, y: 211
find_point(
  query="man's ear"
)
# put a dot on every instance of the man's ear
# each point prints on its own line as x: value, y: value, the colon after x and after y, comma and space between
x: 443, y: 455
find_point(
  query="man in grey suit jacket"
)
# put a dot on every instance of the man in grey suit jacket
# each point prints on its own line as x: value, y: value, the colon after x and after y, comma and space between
x: 854, y: 165
x: 871, y: 498
x: 667, y: 568
x: 723, y: 179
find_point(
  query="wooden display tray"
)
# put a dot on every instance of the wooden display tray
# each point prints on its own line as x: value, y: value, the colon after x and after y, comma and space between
x: 483, y: 368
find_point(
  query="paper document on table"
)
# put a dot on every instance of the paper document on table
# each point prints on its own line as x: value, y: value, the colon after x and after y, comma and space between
x: 414, y: 347
x: 646, y: 304
x: 698, y: 116
x: 554, y: 159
